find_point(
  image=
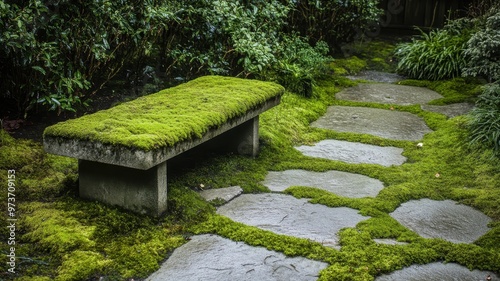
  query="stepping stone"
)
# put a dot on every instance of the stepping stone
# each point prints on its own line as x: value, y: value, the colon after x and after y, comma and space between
x: 389, y: 242
x: 437, y: 271
x: 341, y: 183
x: 442, y: 219
x: 284, y: 214
x: 355, y: 153
x: 450, y: 110
x: 376, y: 76
x: 388, y: 94
x: 211, y: 257
x: 379, y: 122
x: 225, y: 194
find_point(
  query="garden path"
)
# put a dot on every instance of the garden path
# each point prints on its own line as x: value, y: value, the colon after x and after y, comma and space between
x: 210, y: 257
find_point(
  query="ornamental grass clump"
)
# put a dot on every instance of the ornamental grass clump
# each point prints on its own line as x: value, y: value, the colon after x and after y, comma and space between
x: 484, y: 122
x: 438, y: 54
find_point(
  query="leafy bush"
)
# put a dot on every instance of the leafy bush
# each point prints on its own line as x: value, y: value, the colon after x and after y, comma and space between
x: 483, y: 49
x: 484, y: 120
x: 242, y: 38
x: 299, y: 64
x: 438, y: 54
x: 56, y: 53
x: 332, y: 21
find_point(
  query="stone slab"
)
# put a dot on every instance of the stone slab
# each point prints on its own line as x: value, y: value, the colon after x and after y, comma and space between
x: 388, y: 94
x: 355, y: 153
x: 450, y: 110
x: 284, y: 214
x: 211, y: 257
x: 442, y: 219
x: 226, y: 194
x: 341, y: 183
x: 389, y: 242
x: 437, y: 271
x: 376, y: 76
x: 140, y: 159
x: 388, y: 124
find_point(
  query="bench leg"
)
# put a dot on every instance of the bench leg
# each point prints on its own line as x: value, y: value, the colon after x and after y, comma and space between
x: 141, y: 191
x: 248, y: 140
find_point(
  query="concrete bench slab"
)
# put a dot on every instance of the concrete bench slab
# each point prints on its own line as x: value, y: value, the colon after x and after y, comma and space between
x: 123, y: 151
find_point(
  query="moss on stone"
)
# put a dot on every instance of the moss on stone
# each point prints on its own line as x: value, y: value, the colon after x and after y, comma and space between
x: 170, y: 116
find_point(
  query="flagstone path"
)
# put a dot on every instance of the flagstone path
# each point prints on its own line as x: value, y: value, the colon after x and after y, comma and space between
x: 210, y: 257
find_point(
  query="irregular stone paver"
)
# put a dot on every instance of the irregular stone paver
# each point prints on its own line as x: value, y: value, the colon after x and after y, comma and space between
x: 450, y: 110
x: 388, y: 94
x: 437, y: 271
x: 389, y: 242
x: 353, y: 152
x: 442, y: 219
x: 211, y: 257
x: 284, y: 214
x: 377, y: 76
x: 225, y: 194
x: 341, y: 183
x: 379, y: 122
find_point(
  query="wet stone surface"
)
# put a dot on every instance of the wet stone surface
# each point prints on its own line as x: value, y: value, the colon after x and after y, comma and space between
x: 211, y: 257
x: 225, y: 194
x: 442, y: 219
x: 355, y: 153
x: 388, y: 124
x: 437, y: 271
x: 389, y: 242
x: 388, y: 94
x: 284, y: 214
x: 451, y: 110
x: 376, y: 76
x: 341, y: 183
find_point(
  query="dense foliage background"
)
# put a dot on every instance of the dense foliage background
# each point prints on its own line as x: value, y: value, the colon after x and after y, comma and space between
x: 56, y: 54
x: 468, y: 47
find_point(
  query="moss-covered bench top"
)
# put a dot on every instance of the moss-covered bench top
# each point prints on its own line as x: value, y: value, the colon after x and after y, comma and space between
x: 170, y: 116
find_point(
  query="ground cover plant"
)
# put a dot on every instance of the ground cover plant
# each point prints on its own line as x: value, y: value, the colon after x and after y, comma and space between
x: 62, y: 237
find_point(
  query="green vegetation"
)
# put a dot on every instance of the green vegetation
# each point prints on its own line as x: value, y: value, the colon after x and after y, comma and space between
x: 467, y: 47
x: 54, y: 60
x: 485, y: 118
x: 170, y: 116
x: 62, y: 237
x: 438, y: 55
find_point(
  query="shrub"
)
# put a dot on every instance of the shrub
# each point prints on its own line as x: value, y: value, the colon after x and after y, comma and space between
x: 56, y: 53
x: 438, y: 54
x: 299, y: 64
x: 484, y: 122
x: 483, y: 49
x: 333, y: 21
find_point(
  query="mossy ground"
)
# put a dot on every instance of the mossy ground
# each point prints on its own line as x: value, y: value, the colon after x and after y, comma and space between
x: 61, y: 237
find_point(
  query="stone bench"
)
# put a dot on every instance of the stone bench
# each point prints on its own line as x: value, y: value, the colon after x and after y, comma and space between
x: 123, y: 151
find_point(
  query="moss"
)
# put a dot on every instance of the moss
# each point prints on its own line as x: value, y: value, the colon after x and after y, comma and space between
x: 170, y: 116
x: 376, y: 54
x: 80, y: 265
x: 125, y: 245
x: 53, y: 230
x: 140, y: 253
x: 351, y: 65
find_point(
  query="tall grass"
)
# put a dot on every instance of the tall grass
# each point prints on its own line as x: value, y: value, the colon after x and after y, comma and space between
x: 436, y: 55
x: 484, y: 122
